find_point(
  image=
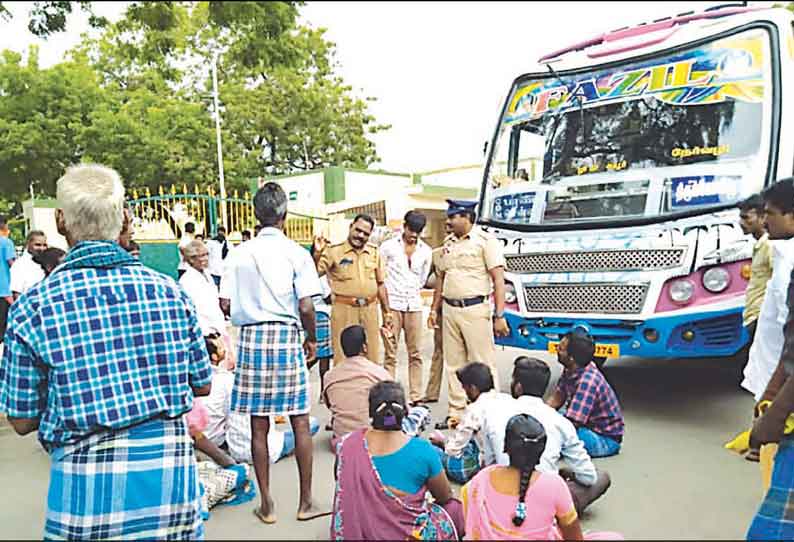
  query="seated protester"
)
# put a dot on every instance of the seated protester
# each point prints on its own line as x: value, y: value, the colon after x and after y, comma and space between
x: 224, y: 426
x: 382, y: 476
x: 588, y: 399
x: 461, y: 452
x: 347, y: 387
x: 221, y: 480
x: 530, y: 379
x: 200, y: 419
x: 519, y: 502
x: 280, y: 444
x: 218, y: 402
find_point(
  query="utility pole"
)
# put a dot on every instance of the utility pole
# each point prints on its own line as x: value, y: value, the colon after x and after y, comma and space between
x: 218, y: 138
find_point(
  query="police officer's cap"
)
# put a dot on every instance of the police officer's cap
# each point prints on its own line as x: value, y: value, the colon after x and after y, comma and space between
x: 457, y: 206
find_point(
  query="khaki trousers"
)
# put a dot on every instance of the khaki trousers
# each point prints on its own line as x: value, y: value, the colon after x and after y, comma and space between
x: 433, y: 390
x: 411, y: 323
x: 343, y: 316
x: 468, y: 336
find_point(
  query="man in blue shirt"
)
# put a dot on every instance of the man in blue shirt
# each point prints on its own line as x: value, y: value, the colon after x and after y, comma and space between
x: 270, y: 282
x: 104, y: 358
x: 7, y: 255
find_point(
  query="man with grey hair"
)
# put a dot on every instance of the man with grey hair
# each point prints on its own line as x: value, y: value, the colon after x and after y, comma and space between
x: 270, y: 283
x: 104, y: 359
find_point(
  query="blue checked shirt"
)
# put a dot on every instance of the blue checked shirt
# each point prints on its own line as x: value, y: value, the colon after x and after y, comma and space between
x: 102, y: 343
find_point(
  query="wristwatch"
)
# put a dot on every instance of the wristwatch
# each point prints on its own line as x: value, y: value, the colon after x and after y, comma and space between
x: 498, y: 315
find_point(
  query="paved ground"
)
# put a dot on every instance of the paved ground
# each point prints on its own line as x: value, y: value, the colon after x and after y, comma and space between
x: 672, y: 480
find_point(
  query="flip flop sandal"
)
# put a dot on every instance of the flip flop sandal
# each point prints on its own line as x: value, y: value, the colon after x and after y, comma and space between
x: 313, y: 515
x: 753, y: 455
x: 267, y: 520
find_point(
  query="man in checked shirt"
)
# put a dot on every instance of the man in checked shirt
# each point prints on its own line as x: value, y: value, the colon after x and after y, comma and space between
x: 407, y: 261
x: 589, y: 401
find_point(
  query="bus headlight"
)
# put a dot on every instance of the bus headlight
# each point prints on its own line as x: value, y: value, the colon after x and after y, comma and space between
x: 716, y: 280
x: 510, y: 294
x: 681, y: 291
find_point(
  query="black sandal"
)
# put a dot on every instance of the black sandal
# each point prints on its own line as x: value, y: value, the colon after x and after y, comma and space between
x: 448, y: 423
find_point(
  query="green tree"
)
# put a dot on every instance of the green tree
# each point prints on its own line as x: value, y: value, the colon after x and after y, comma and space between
x: 46, y: 18
x: 151, y: 139
x: 282, y: 106
x: 42, y: 112
x: 138, y: 98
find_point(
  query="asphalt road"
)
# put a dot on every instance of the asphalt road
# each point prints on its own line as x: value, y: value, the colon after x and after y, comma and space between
x: 672, y: 480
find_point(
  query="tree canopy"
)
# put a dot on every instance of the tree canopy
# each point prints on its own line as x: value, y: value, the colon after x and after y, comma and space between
x: 137, y: 96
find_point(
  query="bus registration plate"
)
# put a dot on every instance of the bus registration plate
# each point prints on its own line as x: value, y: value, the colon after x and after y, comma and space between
x: 601, y: 350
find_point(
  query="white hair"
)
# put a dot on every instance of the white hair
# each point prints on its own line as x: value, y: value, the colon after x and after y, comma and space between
x: 193, y: 248
x: 91, y: 197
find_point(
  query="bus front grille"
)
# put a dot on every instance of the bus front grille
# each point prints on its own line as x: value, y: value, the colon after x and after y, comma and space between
x: 586, y: 298
x: 594, y: 261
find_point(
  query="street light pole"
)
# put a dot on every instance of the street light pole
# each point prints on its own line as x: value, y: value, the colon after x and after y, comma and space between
x: 218, y: 137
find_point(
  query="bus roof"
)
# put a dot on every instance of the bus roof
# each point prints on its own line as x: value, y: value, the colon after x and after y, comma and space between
x: 646, y: 28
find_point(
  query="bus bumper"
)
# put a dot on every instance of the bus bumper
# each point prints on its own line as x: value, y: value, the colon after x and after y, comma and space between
x: 693, y: 335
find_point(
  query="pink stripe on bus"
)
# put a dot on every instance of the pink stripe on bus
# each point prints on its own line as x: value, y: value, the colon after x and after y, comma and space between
x: 645, y: 28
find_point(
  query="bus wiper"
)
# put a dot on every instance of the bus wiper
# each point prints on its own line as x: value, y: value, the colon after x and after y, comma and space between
x: 578, y: 101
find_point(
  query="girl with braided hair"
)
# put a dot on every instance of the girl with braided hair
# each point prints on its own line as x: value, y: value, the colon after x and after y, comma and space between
x: 518, y: 502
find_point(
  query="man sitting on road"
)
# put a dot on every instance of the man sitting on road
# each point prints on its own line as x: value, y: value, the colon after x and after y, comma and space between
x: 487, y: 409
x: 589, y: 401
x: 530, y: 379
x: 346, y: 391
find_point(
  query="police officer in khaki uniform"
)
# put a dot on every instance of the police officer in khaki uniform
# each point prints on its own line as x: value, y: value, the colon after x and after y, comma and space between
x: 433, y: 390
x: 355, y: 274
x: 471, y: 267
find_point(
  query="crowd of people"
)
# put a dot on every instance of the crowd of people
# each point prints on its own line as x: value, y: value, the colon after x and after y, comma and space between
x: 130, y: 377
x: 136, y: 383
x: 769, y: 323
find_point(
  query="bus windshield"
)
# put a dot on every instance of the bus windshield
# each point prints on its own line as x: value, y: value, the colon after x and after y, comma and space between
x: 652, y: 138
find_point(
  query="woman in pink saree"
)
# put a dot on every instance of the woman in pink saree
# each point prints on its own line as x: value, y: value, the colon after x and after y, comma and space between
x: 518, y: 502
x: 382, y: 476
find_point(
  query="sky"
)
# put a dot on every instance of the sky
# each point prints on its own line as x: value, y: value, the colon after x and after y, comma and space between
x: 440, y: 71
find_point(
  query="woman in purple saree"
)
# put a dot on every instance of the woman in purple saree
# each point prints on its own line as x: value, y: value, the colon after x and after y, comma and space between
x: 382, y: 476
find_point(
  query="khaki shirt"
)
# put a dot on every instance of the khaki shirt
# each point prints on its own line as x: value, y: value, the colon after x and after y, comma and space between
x: 350, y: 272
x: 760, y: 273
x: 465, y: 263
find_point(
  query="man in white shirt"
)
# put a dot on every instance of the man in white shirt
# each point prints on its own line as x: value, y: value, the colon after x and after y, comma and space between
x: 530, y: 380
x: 470, y: 447
x: 768, y: 342
x: 188, y: 235
x: 199, y: 286
x: 270, y: 283
x: 25, y: 273
x: 407, y: 260
x: 218, y: 248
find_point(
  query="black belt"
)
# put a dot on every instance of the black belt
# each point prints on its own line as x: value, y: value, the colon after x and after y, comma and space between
x: 468, y: 302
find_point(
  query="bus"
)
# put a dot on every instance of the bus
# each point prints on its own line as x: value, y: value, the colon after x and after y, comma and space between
x: 613, y: 176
